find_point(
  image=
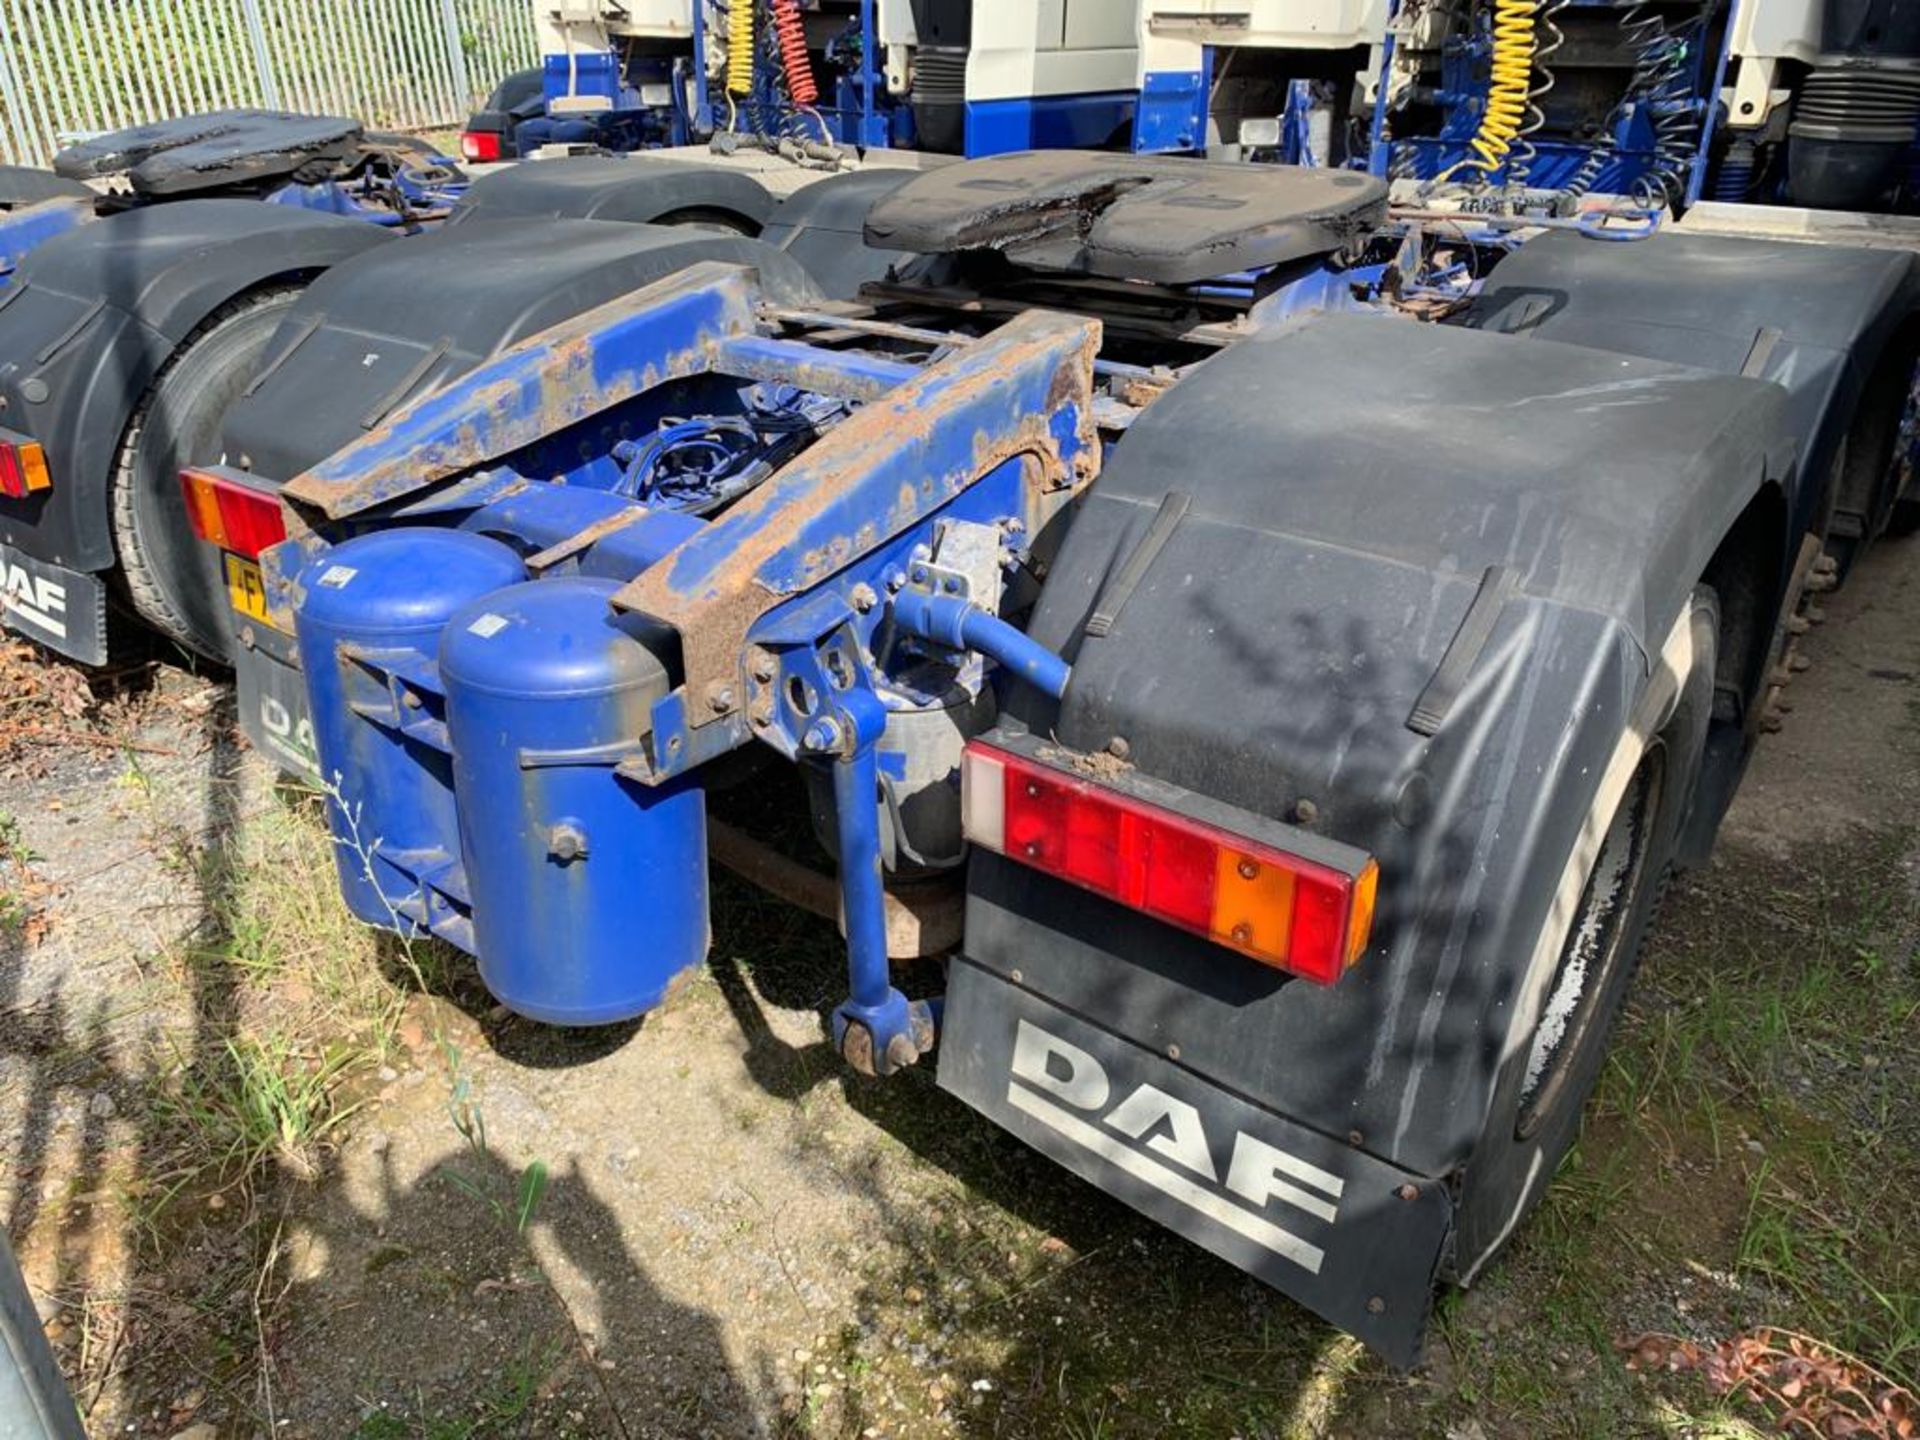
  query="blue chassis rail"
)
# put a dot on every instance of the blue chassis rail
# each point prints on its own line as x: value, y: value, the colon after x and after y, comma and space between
x: 777, y: 601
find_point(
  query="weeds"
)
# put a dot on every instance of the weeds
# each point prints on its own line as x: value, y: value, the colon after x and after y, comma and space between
x: 18, y: 884
x: 271, y: 1100
x: 529, y: 1188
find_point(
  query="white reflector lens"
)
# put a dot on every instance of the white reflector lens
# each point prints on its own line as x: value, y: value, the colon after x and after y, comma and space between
x: 983, y: 800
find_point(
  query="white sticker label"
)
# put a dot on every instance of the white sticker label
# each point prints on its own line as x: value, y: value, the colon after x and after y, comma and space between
x: 488, y: 625
x: 337, y: 576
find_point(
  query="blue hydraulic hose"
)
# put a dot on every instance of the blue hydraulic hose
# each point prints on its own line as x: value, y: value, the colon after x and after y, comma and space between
x: 959, y: 624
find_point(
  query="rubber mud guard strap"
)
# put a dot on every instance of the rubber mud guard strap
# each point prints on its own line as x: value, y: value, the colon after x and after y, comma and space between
x: 384, y: 406
x: 272, y: 368
x: 1430, y: 710
x: 1528, y: 313
x: 1106, y: 611
x: 1765, y: 340
x: 60, y: 342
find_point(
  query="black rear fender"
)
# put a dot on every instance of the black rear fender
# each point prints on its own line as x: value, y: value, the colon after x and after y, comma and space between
x: 1421, y: 593
x: 823, y: 227
x: 636, y: 189
x: 418, y: 316
x: 1818, y: 320
x: 96, y: 312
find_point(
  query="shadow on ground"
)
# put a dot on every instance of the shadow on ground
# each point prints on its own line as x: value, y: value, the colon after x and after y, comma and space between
x: 184, y: 1286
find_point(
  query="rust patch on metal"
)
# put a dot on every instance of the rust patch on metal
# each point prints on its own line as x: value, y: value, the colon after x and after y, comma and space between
x: 581, y: 539
x: 923, y: 919
x: 553, y: 387
x: 713, y: 620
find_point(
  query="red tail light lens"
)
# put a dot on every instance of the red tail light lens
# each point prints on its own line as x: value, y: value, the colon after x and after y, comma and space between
x: 232, y: 515
x: 23, y: 467
x: 482, y: 147
x: 1300, y: 915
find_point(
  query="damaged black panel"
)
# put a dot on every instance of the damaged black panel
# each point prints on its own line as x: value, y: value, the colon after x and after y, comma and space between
x: 226, y: 147
x: 1131, y: 217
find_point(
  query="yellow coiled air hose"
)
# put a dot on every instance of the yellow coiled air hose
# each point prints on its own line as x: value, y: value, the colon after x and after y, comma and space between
x: 740, y: 48
x: 1511, y: 81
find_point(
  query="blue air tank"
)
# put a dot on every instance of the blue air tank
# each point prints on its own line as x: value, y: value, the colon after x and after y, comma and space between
x: 589, y: 890
x: 368, y: 624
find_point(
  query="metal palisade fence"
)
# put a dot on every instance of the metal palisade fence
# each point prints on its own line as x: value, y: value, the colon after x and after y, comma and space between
x: 71, y: 68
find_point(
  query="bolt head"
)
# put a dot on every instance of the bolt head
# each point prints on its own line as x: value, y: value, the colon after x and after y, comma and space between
x: 720, y: 697
x: 863, y: 597
x: 1119, y: 748
x: 1248, y: 867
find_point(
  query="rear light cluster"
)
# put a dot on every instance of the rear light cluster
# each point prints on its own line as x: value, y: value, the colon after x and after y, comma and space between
x: 232, y: 515
x: 1298, y: 915
x: 23, y: 467
x: 481, y: 147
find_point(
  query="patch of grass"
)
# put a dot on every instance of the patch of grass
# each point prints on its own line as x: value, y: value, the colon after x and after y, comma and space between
x: 291, y: 1002
x: 16, y: 877
x: 271, y: 1099
x: 1772, y: 1041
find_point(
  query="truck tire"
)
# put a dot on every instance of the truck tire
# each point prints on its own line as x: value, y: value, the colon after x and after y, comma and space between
x: 1587, y: 953
x: 1867, y: 469
x: 172, y: 578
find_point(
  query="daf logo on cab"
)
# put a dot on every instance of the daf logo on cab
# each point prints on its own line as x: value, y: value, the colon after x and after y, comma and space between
x: 1162, y: 1141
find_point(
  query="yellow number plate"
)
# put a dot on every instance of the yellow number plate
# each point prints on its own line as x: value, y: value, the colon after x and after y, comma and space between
x: 245, y: 588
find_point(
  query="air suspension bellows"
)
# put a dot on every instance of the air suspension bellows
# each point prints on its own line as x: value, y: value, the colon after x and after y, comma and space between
x: 1851, y: 128
x: 1854, y: 117
x: 940, y: 99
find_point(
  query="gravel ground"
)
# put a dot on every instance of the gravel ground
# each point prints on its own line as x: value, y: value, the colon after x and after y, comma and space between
x: 702, y: 1226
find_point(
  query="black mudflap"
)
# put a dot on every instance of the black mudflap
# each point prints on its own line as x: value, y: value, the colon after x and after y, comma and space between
x: 59, y: 607
x: 273, y: 702
x: 1353, y: 1239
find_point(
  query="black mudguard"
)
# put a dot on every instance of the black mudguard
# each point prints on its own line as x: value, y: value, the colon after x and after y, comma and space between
x: 93, y: 315
x: 417, y: 316
x: 1814, y: 319
x: 635, y: 189
x: 822, y: 226
x: 1299, y: 646
x: 24, y: 185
